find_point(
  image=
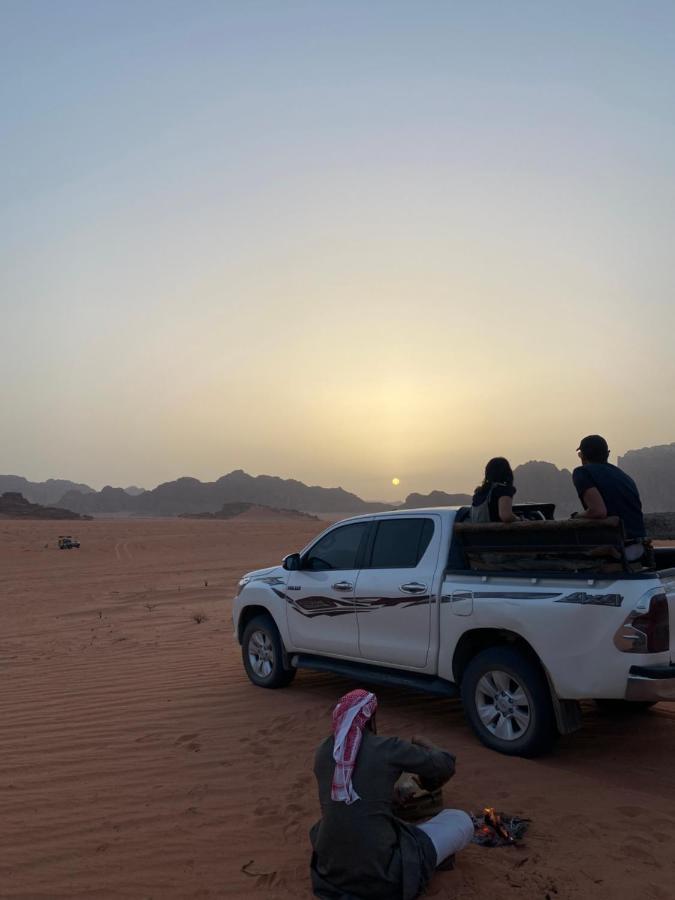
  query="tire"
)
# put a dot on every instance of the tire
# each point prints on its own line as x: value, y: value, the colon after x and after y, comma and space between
x: 262, y: 654
x: 502, y: 675
x: 624, y: 707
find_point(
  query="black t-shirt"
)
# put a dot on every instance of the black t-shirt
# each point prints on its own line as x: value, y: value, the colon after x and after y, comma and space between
x: 617, y: 489
x: 498, y: 490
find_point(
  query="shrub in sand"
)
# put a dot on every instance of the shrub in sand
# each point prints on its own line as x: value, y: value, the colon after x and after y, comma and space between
x: 199, y: 618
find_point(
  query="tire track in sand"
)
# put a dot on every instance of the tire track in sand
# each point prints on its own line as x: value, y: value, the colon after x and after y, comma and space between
x: 125, y: 549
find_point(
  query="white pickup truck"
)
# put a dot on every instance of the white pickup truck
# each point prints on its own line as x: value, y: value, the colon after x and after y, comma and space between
x: 521, y: 621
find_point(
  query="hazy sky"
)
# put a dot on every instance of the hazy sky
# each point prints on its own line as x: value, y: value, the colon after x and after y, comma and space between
x: 333, y: 241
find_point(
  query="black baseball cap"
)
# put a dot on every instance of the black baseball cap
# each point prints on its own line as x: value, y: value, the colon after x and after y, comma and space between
x: 594, y: 445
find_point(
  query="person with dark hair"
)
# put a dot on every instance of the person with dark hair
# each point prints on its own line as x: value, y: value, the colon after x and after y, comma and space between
x: 605, y: 490
x: 361, y: 850
x: 493, y: 499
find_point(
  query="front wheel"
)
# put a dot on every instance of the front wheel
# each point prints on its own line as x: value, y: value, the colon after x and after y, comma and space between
x: 507, y: 701
x: 262, y: 654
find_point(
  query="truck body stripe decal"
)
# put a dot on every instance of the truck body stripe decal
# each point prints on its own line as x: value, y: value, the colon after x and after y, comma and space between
x: 584, y: 599
x: 504, y: 595
x: 321, y: 605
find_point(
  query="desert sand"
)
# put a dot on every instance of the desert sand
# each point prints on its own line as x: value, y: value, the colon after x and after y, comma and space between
x: 137, y: 761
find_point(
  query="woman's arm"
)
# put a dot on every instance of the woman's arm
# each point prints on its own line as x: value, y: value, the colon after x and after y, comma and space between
x: 505, y: 508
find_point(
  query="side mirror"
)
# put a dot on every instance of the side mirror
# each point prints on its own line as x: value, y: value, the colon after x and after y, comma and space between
x: 291, y: 562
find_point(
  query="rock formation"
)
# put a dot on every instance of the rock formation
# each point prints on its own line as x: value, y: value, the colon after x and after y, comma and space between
x: 189, y: 495
x: 653, y: 469
x: 14, y: 505
x: 47, y: 493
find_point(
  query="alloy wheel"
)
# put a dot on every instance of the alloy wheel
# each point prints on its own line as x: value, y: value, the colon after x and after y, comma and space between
x: 503, y: 705
x: 261, y: 654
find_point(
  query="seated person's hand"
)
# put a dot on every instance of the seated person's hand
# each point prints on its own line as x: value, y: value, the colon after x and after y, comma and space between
x: 422, y: 742
x: 405, y: 788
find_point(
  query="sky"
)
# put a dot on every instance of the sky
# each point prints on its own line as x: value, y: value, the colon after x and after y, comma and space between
x: 339, y: 242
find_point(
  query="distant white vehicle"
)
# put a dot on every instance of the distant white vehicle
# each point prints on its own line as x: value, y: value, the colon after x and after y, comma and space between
x: 66, y: 542
x: 521, y: 621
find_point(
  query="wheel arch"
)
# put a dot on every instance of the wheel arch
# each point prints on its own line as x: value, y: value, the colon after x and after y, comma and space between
x: 567, y: 712
x: 473, y: 642
x: 248, y: 613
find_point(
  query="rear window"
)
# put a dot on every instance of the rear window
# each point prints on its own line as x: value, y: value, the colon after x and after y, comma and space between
x: 400, y: 543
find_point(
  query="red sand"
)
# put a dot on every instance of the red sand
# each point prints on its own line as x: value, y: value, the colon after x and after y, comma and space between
x: 137, y: 761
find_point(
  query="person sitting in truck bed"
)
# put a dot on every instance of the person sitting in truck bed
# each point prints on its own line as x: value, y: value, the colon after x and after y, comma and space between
x: 605, y: 490
x: 493, y: 499
x: 361, y: 850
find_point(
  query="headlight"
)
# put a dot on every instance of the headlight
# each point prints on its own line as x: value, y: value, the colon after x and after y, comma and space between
x: 242, y: 583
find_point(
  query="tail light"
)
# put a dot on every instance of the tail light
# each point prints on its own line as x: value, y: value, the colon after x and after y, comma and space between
x: 647, y: 628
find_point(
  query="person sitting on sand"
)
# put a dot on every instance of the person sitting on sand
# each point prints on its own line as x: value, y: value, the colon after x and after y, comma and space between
x: 361, y: 850
x: 493, y: 499
x: 605, y: 490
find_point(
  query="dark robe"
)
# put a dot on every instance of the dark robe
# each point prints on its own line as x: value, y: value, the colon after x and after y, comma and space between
x: 362, y: 850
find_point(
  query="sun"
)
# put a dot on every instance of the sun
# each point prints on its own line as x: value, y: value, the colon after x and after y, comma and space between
x: 396, y: 481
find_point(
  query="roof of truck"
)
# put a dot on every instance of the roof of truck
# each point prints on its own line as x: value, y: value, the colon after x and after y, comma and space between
x: 422, y: 509
x: 404, y: 512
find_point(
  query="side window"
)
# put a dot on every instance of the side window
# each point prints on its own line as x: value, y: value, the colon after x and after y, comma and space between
x: 338, y: 549
x: 400, y: 543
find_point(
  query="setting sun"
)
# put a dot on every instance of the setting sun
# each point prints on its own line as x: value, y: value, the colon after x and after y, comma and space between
x: 395, y: 481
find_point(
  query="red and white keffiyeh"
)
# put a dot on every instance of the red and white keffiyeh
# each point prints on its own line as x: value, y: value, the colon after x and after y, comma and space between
x: 349, y: 719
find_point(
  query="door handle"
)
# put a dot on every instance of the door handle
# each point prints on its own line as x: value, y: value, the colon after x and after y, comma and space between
x: 413, y: 587
x: 343, y: 586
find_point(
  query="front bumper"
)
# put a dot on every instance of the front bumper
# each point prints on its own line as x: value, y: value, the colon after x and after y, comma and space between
x: 651, y: 683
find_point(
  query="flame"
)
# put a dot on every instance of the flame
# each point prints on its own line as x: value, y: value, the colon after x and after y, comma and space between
x: 492, y: 818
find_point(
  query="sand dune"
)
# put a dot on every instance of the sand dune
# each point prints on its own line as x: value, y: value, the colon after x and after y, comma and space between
x: 137, y: 761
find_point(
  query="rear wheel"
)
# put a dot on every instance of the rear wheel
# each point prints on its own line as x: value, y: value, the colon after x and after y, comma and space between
x: 624, y: 707
x: 262, y: 654
x: 508, y: 702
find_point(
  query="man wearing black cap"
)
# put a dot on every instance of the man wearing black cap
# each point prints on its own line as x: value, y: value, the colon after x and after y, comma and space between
x: 605, y: 490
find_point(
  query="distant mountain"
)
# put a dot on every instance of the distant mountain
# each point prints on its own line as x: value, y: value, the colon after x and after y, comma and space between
x: 134, y: 491
x: 538, y: 482
x: 108, y: 500
x: 232, y: 510
x: 653, y: 469
x: 435, y: 498
x: 45, y: 492
x: 660, y: 526
x: 188, y: 495
x: 14, y: 505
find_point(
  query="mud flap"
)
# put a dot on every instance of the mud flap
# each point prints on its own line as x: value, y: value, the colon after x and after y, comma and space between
x: 567, y: 712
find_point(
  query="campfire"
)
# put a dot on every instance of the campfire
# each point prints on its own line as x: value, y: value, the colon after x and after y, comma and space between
x: 496, y: 829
